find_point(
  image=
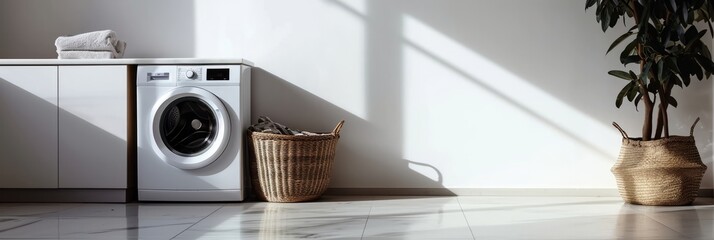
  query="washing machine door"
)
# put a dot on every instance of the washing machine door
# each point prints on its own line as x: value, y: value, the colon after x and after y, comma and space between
x: 190, y: 127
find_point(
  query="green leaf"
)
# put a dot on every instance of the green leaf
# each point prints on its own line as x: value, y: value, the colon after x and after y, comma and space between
x: 605, y: 20
x: 656, y: 46
x: 695, y: 39
x: 666, y: 33
x: 630, y: 59
x: 686, y: 79
x: 694, y: 67
x: 621, y: 74
x: 621, y: 95
x: 644, y: 16
x: 707, y: 64
x: 632, y: 93
x: 628, y: 9
x: 589, y: 4
x: 653, y: 87
x: 672, y: 101
x: 598, y: 11
x: 618, y: 40
x: 637, y: 100
x: 690, y: 34
x: 633, y: 75
x: 628, y: 50
x: 684, y: 9
x: 676, y: 81
x: 613, y: 19
x: 671, y: 63
x: 706, y: 19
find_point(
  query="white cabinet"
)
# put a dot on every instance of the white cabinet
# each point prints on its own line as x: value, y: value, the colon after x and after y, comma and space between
x: 64, y: 126
x: 93, y: 125
x: 28, y: 126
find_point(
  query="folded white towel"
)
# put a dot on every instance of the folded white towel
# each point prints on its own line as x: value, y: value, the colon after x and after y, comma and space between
x: 120, y: 46
x: 105, y: 40
x: 85, y: 55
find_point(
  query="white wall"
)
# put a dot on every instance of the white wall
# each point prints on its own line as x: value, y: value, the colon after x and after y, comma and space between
x: 28, y: 28
x: 456, y: 94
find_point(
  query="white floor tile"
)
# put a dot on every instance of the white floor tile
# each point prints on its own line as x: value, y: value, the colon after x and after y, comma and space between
x: 34, y: 209
x: 123, y: 228
x: 350, y: 217
x: 28, y: 227
x: 282, y: 221
x: 694, y: 223
x: 451, y: 225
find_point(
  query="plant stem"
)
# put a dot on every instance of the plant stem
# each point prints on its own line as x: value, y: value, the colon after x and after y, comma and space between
x: 649, y: 105
x: 660, y: 122
x: 666, y: 122
x: 647, y: 127
x: 662, y: 111
x: 668, y: 93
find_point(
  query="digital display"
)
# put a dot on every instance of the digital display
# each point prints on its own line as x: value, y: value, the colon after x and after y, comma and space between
x: 158, y: 76
x: 213, y: 74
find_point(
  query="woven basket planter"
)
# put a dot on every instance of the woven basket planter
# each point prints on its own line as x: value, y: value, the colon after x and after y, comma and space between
x: 289, y: 168
x: 662, y: 172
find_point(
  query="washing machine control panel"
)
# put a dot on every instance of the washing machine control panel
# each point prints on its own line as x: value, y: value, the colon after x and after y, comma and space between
x: 190, y: 73
x: 204, y: 73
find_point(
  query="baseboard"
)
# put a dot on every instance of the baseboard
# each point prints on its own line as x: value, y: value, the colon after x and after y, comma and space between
x: 566, y: 192
x: 64, y: 195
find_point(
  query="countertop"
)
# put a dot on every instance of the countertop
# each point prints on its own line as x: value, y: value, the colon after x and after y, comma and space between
x: 125, y: 61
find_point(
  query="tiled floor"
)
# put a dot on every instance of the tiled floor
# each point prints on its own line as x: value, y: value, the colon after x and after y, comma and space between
x: 364, y: 218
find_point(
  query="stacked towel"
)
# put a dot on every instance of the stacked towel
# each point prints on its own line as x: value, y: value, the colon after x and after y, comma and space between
x: 96, y: 45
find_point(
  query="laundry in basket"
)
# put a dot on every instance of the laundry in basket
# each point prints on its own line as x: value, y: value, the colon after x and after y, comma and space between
x: 291, y: 168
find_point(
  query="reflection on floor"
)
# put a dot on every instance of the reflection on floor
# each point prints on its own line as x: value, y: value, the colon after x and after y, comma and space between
x: 364, y: 218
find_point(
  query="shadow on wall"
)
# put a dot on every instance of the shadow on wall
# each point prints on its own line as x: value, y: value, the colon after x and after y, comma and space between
x: 529, y: 68
x: 162, y: 28
x: 288, y: 104
x: 582, y: 84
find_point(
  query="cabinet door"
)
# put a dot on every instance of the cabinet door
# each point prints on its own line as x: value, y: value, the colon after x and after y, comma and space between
x: 93, y: 126
x: 28, y: 127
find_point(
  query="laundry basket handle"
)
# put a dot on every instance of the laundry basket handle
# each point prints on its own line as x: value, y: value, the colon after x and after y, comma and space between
x: 624, y: 134
x: 338, y: 127
x: 691, y: 131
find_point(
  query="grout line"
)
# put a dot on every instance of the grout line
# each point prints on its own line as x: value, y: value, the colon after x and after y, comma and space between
x: 194, y: 224
x: 366, y: 221
x: 465, y: 218
x: 665, y: 225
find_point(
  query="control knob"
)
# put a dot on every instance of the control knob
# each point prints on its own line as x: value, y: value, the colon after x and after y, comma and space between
x: 190, y: 74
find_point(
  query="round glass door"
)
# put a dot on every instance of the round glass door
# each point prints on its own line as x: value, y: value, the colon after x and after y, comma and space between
x: 190, y: 127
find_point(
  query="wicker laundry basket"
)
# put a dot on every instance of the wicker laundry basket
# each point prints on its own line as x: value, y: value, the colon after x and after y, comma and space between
x: 660, y: 172
x: 290, y: 168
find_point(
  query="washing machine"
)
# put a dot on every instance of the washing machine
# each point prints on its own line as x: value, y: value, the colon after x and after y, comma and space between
x: 190, y: 131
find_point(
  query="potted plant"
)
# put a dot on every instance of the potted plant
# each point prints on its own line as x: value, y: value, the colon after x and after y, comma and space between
x: 658, y: 168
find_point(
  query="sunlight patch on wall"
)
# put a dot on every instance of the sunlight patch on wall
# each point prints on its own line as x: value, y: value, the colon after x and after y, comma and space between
x: 483, y: 126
